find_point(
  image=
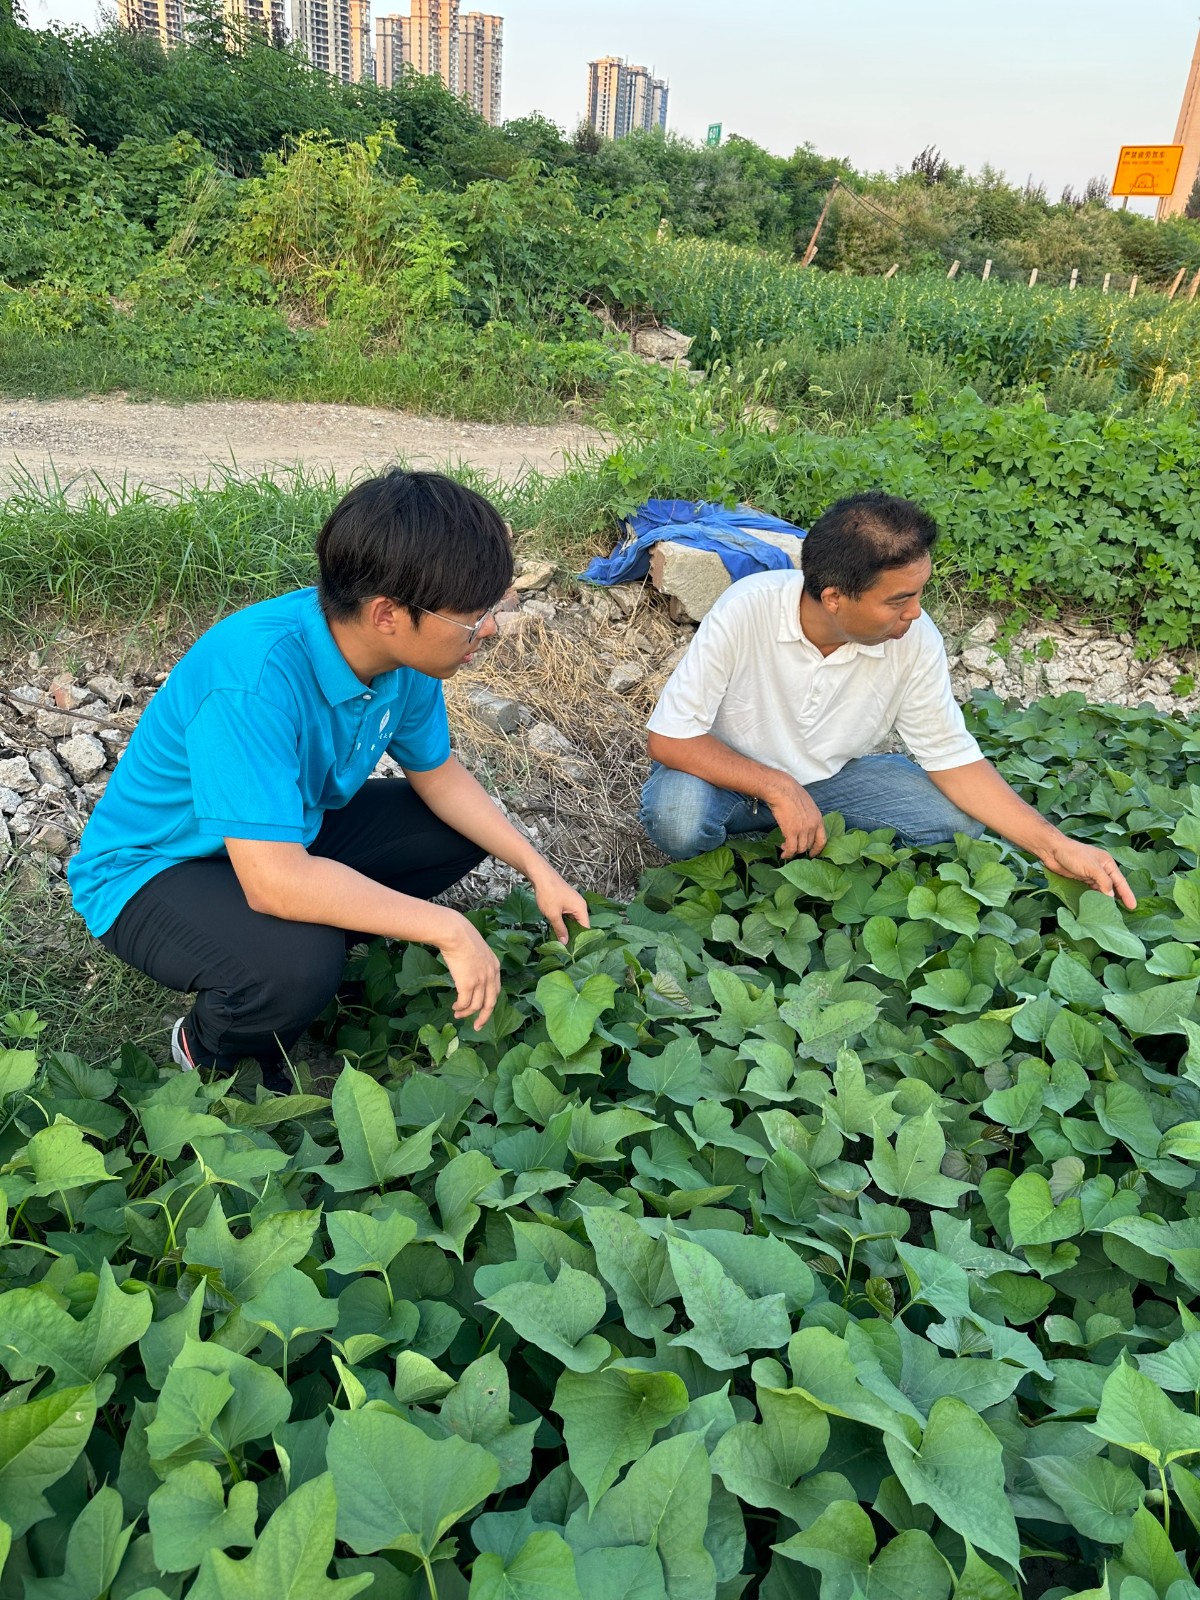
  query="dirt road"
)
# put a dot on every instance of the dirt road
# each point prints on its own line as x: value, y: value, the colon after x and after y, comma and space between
x: 163, y: 445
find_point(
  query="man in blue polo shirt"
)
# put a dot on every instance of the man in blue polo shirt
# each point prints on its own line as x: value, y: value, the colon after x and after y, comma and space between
x: 238, y: 842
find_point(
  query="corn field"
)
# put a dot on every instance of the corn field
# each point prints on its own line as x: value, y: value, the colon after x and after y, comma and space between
x: 730, y: 300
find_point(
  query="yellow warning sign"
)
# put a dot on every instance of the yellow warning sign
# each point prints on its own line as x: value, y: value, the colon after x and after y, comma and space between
x: 1147, y: 169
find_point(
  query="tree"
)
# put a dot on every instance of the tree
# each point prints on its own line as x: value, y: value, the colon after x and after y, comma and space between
x: 1192, y: 208
x: 931, y: 165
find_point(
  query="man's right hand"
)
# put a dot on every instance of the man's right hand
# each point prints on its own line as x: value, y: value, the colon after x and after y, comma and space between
x: 798, y: 819
x: 475, y: 969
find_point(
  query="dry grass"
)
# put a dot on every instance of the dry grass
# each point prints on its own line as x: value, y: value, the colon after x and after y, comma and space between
x: 582, y: 809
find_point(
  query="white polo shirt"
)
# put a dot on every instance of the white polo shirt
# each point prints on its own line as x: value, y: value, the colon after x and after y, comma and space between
x: 753, y: 679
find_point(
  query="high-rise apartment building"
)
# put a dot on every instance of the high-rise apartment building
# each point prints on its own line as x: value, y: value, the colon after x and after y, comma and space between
x: 164, y: 18
x: 336, y: 35
x: 480, y: 62
x: 464, y: 50
x: 1187, y: 133
x: 622, y: 98
x: 168, y: 19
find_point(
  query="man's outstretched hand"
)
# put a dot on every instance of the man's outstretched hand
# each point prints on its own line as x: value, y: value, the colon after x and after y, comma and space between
x: 798, y: 818
x: 1088, y: 864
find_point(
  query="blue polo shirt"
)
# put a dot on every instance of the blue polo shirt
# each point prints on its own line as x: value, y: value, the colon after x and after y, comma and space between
x: 259, y: 731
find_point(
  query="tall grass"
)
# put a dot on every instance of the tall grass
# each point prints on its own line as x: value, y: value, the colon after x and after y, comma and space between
x: 122, y: 553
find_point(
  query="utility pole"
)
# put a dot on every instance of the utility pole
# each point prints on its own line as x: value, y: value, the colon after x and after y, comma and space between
x: 811, y: 251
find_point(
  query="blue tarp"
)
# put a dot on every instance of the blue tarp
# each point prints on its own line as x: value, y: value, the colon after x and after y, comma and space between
x: 705, y: 526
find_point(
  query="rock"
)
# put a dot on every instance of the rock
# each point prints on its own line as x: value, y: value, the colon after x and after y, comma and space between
x: 67, y: 694
x: 982, y: 632
x: 534, y: 575
x: 5, y: 835
x: 25, y: 819
x: 495, y: 712
x: 46, y: 769
x: 1109, y: 686
x: 95, y: 790
x: 17, y: 774
x: 638, y: 641
x: 546, y: 739
x: 511, y: 622
x: 979, y: 658
x: 625, y: 676
x: 83, y: 756
x: 576, y: 771
x: 626, y: 597
x: 672, y: 659
x: 695, y: 578
x: 51, y: 838
x: 540, y: 608
x: 9, y: 801
x: 666, y: 345
x: 510, y: 600
x: 115, y: 692
x: 54, y: 723
x: 26, y: 699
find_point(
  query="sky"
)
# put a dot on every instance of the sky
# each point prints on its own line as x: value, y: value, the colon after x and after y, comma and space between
x: 1040, y: 88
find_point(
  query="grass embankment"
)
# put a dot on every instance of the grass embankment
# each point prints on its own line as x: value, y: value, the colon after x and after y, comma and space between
x: 1041, y: 513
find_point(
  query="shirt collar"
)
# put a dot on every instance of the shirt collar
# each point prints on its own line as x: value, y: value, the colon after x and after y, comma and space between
x: 790, y: 631
x: 336, y: 678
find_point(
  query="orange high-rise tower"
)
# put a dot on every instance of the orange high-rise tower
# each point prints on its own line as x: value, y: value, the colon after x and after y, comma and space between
x: 1187, y: 133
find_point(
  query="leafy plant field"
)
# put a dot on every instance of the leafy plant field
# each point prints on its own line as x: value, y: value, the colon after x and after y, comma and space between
x: 807, y: 1231
x: 730, y: 298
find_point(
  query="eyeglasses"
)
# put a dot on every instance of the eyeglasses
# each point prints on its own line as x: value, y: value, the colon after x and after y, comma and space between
x: 471, y: 629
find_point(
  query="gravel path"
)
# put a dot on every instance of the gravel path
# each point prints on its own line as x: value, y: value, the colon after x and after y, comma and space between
x: 163, y: 445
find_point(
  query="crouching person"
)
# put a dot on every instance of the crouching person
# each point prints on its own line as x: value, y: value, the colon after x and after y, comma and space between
x: 239, y: 844
x: 792, y: 680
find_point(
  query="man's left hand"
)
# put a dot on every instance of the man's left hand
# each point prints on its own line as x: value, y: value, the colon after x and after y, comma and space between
x: 1087, y: 864
x: 557, y: 901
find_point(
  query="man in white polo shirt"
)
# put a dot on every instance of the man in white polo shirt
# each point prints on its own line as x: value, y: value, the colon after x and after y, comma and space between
x: 792, y: 681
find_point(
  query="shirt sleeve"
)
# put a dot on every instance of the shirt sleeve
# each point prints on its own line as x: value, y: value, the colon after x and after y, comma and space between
x: 692, y: 695
x: 421, y: 742
x: 930, y: 720
x: 244, y: 758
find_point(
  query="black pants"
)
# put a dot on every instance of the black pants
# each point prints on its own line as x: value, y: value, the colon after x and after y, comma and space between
x: 260, y: 980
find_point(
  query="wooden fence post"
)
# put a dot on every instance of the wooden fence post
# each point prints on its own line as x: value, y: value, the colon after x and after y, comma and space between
x: 1174, y: 289
x: 1133, y: 285
x: 1105, y: 284
x: 1033, y: 277
x: 953, y: 273
x: 1194, y: 285
x: 987, y: 270
x: 892, y: 270
x: 1074, y: 277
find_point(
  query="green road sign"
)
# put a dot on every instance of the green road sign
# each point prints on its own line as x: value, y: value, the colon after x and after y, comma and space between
x: 714, y: 133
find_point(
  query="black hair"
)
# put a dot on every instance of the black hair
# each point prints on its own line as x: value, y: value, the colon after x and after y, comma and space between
x: 419, y: 538
x: 849, y: 545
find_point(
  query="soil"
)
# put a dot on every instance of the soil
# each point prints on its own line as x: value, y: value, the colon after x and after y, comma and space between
x: 163, y: 446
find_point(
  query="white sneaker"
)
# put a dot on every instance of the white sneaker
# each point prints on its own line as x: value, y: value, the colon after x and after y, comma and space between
x: 180, y: 1054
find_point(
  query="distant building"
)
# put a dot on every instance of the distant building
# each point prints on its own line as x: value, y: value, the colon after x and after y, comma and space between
x: 335, y: 35
x: 1187, y: 133
x: 465, y: 50
x: 163, y: 18
x: 480, y: 60
x: 168, y: 19
x: 622, y: 98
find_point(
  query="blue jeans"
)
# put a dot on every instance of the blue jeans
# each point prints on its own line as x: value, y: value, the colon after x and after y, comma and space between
x: 684, y: 816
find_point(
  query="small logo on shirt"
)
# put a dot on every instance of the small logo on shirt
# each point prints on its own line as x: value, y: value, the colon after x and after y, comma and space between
x: 387, y: 717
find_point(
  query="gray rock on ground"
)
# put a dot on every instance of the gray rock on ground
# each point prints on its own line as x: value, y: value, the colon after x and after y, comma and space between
x: 83, y: 756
